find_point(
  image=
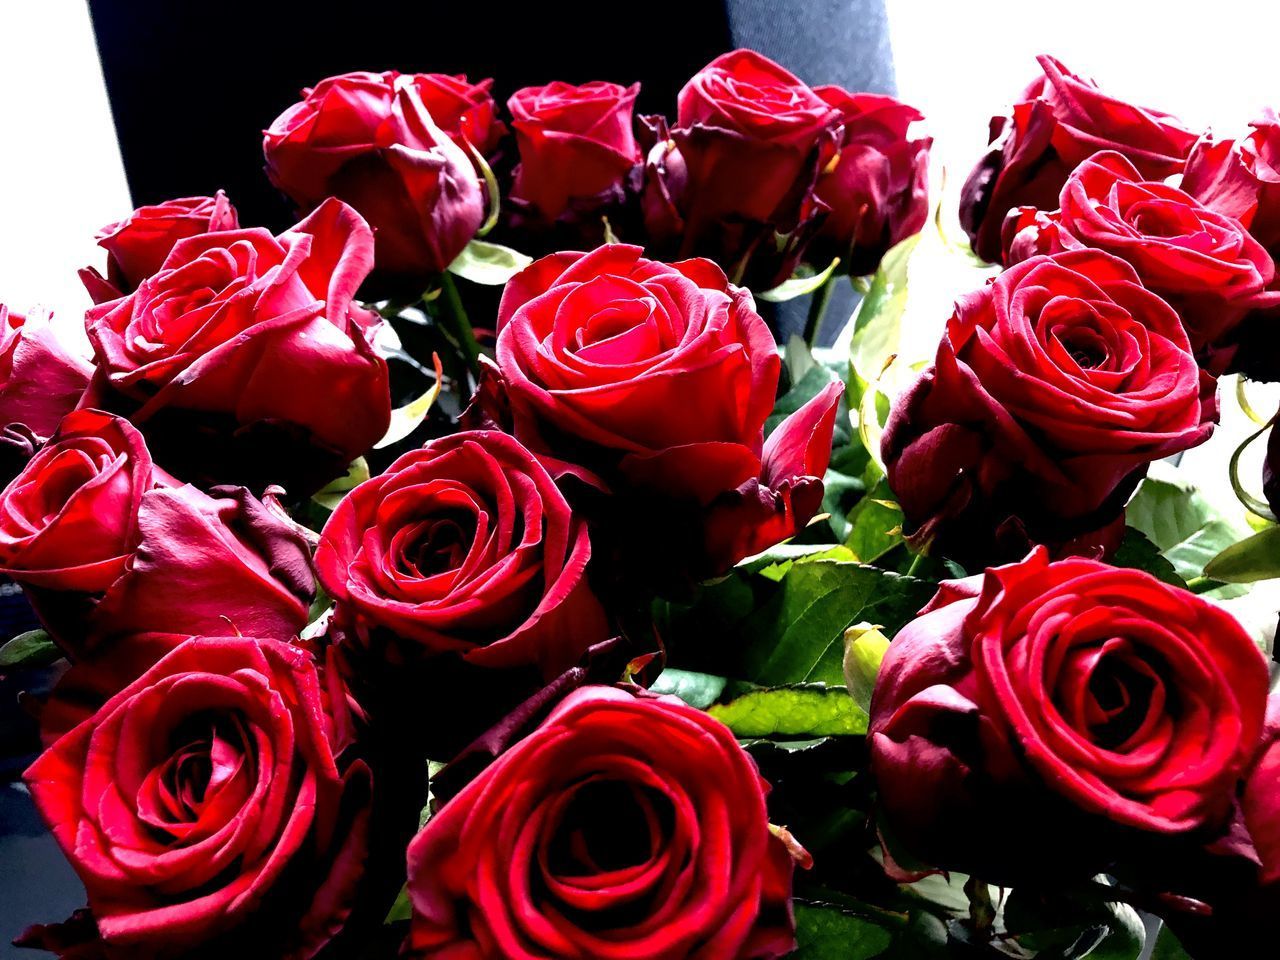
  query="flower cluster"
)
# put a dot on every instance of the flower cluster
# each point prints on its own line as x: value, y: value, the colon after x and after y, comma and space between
x: 545, y: 661
x: 755, y: 167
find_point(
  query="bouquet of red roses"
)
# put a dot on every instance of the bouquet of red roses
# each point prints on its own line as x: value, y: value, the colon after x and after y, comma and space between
x: 474, y: 570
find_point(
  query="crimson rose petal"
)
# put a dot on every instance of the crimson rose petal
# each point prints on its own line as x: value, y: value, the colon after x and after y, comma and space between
x: 625, y: 825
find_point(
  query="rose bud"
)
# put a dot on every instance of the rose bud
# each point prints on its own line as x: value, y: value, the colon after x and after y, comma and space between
x: 138, y: 245
x: 1059, y: 121
x: 1091, y: 698
x: 465, y: 545
x: 244, y: 359
x: 589, y: 346
x: 878, y: 187
x: 751, y: 139
x: 42, y: 372
x: 369, y: 139
x: 577, y: 147
x: 114, y: 554
x: 626, y: 825
x: 212, y: 808
x: 1203, y: 264
x: 462, y: 109
x: 1053, y: 388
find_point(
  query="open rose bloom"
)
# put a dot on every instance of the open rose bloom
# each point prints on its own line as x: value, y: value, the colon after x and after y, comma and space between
x: 480, y: 568
x: 226, y: 341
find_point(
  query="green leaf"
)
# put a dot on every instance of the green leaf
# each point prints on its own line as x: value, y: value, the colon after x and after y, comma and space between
x: 1186, y: 528
x: 1139, y: 553
x: 489, y: 264
x: 1071, y: 927
x: 1127, y: 938
x: 841, y: 494
x: 406, y: 419
x: 1254, y: 558
x: 806, y: 710
x: 35, y: 648
x: 827, y: 932
x: 877, y: 323
x: 1167, y: 946
x: 357, y: 473
x: 798, y: 635
x: 806, y: 378
x: 803, y: 281
x: 875, y: 524
x: 402, y: 909
x: 864, y: 648
x: 785, y: 623
x: 776, y: 561
x: 699, y: 690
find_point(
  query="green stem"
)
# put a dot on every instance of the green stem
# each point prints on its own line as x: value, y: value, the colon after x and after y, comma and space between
x: 915, y: 564
x: 982, y: 912
x: 1202, y: 584
x: 459, y: 326
x: 817, y: 310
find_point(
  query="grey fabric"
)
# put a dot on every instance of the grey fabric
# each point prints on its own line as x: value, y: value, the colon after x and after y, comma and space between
x: 844, y: 42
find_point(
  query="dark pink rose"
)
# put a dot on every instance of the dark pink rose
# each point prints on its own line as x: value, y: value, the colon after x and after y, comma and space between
x: 43, y: 373
x: 1203, y: 264
x: 115, y: 555
x: 751, y: 140
x: 878, y: 188
x: 212, y: 808
x: 577, y: 147
x: 659, y: 377
x: 370, y: 140
x: 137, y: 245
x: 245, y: 358
x: 1053, y: 388
x: 1059, y: 121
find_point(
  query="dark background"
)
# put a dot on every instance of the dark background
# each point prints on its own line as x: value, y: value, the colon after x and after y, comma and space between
x: 192, y: 86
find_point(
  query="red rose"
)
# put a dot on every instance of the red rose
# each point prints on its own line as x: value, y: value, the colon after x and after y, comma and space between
x: 1261, y: 802
x: 465, y: 545
x: 138, y: 245
x: 244, y: 359
x: 1059, y: 121
x: 108, y: 547
x: 42, y: 372
x: 1233, y: 873
x: 577, y: 147
x: 1241, y: 178
x: 1203, y: 264
x: 1058, y: 710
x: 370, y: 139
x: 626, y: 825
x: 463, y: 110
x: 1053, y: 388
x: 751, y: 139
x: 660, y: 377
x: 209, y: 808
x: 878, y: 189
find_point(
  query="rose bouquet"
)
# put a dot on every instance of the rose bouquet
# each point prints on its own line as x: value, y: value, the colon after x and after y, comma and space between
x: 476, y: 570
